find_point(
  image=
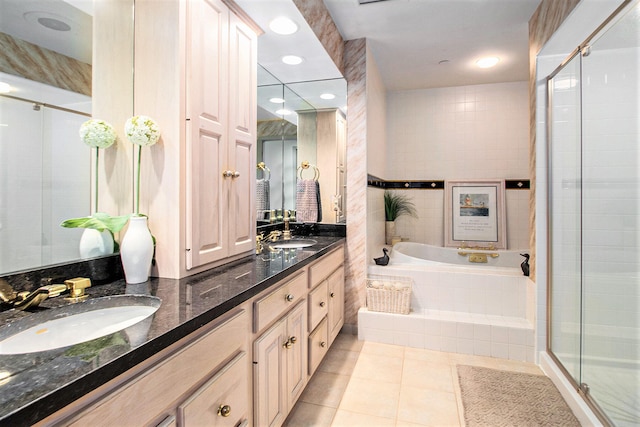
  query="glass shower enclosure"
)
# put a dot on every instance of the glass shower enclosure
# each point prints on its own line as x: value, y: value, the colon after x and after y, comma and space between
x: 594, y: 218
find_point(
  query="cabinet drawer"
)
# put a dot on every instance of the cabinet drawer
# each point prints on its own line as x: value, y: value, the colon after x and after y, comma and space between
x: 171, y: 379
x: 221, y: 401
x: 276, y: 303
x: 318, y: 304
x: 318, y: 345
x: 325, y: 266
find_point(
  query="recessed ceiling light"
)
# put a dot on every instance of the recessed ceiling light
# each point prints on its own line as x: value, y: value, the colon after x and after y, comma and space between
x: 283, y: 26
x: 54, y: 24
x: 487, y: 62
x: 292, y: 59
x: 327, y: 96
x: 5, y: 87
x: 277, y: 100
x: 283, y: 112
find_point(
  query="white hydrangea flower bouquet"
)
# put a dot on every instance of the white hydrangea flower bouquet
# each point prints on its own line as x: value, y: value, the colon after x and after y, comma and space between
x: 97, y: 134
x: 142, y: 131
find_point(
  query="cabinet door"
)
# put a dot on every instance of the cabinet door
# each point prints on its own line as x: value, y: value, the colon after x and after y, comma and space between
x: 242, y: 135
x: 296, y: 354
x: 206, y: 129
x: 269, y: 368
x: 221, y: 401
x: 336, y: 303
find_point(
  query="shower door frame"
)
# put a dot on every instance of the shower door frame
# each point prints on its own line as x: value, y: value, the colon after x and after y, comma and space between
x: 582, y: 49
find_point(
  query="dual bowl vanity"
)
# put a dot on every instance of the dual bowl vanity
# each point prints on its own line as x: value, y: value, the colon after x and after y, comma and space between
x: 203, y: 346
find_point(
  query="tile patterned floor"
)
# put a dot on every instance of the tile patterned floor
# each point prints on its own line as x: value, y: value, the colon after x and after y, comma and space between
x: 371, y: 384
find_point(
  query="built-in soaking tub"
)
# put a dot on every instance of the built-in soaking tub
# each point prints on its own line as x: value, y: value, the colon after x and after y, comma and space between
x: 456, y: 305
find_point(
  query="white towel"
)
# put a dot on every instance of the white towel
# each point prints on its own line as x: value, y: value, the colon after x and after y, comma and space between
x: 306, y: 201
x: 262, y: 195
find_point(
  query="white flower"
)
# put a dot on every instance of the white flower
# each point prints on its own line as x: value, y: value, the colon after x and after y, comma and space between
x: 142, y: 130
x: 97, y: 133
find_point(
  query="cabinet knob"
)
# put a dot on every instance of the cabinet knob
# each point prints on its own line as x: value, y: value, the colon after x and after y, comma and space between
x: 236, y: 174
x: 227, y: 174
x: 224, y: 410
x: 293, y: 340
x: 289, y: 297
x: 332, y: 294
x: 288, y: 344
x: 323, y: 344
x: 322, y: 303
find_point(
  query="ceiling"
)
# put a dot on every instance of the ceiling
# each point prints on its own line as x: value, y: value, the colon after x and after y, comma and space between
x: 409, y: 39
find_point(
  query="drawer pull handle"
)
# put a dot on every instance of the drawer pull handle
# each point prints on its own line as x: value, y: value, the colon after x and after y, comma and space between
x: 332, y: 294
x: 323, y: 344
x: 322, y: 303
x: 289, y: 297
x: 224, y: 410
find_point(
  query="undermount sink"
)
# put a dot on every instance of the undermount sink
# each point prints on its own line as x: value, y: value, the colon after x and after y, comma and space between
x: 75, y: 323
x: 293, y: 244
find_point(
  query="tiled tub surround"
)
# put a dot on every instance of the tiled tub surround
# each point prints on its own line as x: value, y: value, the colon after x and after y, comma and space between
x: 459, y: 309
x: 42, y: 383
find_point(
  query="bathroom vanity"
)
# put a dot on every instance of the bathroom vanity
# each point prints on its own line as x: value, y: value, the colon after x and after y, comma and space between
x: 235, y: 345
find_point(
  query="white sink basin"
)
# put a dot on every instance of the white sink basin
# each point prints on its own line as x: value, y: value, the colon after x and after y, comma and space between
x: 293, y: 243
x: 75, y: 323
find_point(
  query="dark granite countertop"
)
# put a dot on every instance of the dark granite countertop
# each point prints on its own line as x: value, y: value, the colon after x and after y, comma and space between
x: 35, y: 385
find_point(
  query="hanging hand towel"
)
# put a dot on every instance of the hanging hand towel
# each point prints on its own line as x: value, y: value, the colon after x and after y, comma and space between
x: 319, y: 201
x: 306, y: 201
x: 262, y: 195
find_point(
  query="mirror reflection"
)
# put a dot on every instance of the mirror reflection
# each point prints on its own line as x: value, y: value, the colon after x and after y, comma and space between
x: 301, y: 150
x: 50, y: 83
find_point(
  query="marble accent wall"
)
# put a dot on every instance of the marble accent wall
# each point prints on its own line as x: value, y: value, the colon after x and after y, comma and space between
x: 355, y: 275
x: 318, y: 17
x: 543, y: 23
x: 33, y: 62
x: 275, y: 128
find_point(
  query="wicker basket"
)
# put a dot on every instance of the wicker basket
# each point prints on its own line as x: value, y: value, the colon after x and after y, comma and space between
x: 389, y: 294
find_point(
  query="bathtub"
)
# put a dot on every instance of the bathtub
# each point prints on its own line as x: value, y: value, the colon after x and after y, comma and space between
x: 457, y: 306
x: 421, y: 254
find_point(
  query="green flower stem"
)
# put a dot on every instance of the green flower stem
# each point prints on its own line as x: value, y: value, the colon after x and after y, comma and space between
x: 137, y: 212
x: 96, y: 193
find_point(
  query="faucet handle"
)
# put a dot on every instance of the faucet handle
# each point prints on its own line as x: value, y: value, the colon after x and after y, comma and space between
x: 76, y: 288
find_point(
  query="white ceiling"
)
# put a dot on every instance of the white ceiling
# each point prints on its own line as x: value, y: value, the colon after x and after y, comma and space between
x: 409, y: 38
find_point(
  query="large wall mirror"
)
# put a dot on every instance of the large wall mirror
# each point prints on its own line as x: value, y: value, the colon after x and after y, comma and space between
x: 62, y: 62
x: 301, y: 145
x: 301, y: 137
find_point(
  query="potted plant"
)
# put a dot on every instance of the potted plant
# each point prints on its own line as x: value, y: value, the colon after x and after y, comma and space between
x: 396, y: 205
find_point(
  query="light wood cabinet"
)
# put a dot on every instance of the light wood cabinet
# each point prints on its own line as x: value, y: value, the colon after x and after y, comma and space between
x: 280, y: 367
x: 195, y: 74
x: 252, y: 364
x: 326, y: 304
x: 214, y: 364
x: 221, y: 401
x: 335, y: 315
x: 221, y: 132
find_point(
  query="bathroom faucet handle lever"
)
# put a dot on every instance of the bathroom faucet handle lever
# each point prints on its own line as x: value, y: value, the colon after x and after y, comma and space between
x: 77, y: 286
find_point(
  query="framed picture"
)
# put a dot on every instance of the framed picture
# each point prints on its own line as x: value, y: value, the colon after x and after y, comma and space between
x: 475, y: 214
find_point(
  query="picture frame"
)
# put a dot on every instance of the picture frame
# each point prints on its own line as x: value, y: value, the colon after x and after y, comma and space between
x: 475, y: 214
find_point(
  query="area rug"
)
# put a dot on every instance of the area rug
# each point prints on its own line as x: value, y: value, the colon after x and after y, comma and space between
x: 494, y: 398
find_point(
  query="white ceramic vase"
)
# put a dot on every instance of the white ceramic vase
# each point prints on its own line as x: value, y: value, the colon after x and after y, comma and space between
x: 94, y: 243
x: 136, y: 250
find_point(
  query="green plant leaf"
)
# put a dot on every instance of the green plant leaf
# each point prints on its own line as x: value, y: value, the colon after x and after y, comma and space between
x: 99, y: 221
x: 396, y: 205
